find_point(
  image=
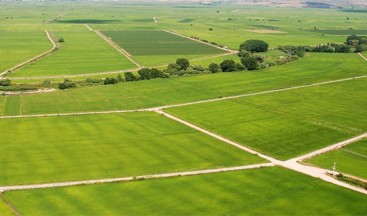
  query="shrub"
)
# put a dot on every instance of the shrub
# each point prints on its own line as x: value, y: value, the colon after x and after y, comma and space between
x: 254, y: 46
x: 183, y: 63
x: 61, y: 40
x: 214, y: 68
x: 130, y: 77
x: 67, y: 84
x: 46, y: 83
x: 250, y: 62
x: 228, y: 66
x: 6, y: 82
x: 110, y: 80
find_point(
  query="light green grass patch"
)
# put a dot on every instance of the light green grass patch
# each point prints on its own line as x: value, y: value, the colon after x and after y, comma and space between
x: 12, y: 106
x: 82, y: 52
x: 351, y: 159
x: 268, y: 191
x: 287, y: 124
x: 19, y: 46
x: 69, y: 148
x: 5, y: 210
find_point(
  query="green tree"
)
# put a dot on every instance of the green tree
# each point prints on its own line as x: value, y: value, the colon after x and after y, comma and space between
x: 254, y: 46
x: 130, y: 76
x: 228, y: 66
x: 250, y: 62
x: 214, y: 68
x: 6, y: 82
x: 183, y: 63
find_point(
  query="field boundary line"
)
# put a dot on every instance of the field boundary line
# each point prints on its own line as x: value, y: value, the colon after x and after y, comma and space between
x: 330, y: 148
x: 10, y: 205
x: 74, y: 75
x: 117, y: 47
x: 355, y: 153
x: 200, y: 41
x: 360, y: 54
x: 54, y: 48
x: 183, y: 104
x: 133, y: 178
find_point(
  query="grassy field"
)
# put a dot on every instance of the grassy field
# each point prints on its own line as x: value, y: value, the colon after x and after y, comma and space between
x: 102, y: 146
x: 314, y: 68
x: 5, y: 210
x: 351, y: 159
x: 153, y: 47
x: 278, y: 123
x: 152, y: 42
x: 18, y: 46
x: 12, y: 105
x: 268, y: 191
x: 82, y: 52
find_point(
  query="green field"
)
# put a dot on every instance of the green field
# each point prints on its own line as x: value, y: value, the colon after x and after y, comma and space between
x: 5, y: 210
x: 153, y: 47
x: 18, y: 46
x: 82, y: 52
x: 102, y: 146
x: 268, y: 191
x: 131, y: 95
x: 351, y: 159
x: 278, y: 123
x: 12, y: 105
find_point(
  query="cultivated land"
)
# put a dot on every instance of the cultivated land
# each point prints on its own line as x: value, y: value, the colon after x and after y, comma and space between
x: 276, y: 120
x: 105, y: 146
x: 82, y: 52
x: 351, y: 159
x: 132, y: 95
x: 278, y: 123
x: 156, y: 47
x: 235, y: 193
x: 18, y: 46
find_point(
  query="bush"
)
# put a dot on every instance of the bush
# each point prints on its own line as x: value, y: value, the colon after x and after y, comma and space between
x: 46, y: 83
x: 151, y: 73
x: 250, y: 62
x: 130, y: 77
x: 61, y: 40
x: 67, y: 84
x: 110, y: 80
x: 6, y: 82
x: 228, y: 66
x: 183, y: 63
x: 214, y: 68
x: 254, y: 46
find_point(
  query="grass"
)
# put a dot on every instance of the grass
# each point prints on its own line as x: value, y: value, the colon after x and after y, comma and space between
x: 287, y: 124
x: 351, y: 159
x: 19, y: 46
x: 12, y: 105
x: 268, y: 191
x: 5, y: 210
x: 314, y: 68
x: 105, y: 146
x: 82, y: 52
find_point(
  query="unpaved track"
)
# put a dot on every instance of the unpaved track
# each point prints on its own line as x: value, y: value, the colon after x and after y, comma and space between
x: 330, y: 148
x: 29, y: 61
x: 360, y: 54
x: 132, y: 178
x: 9, y: 204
